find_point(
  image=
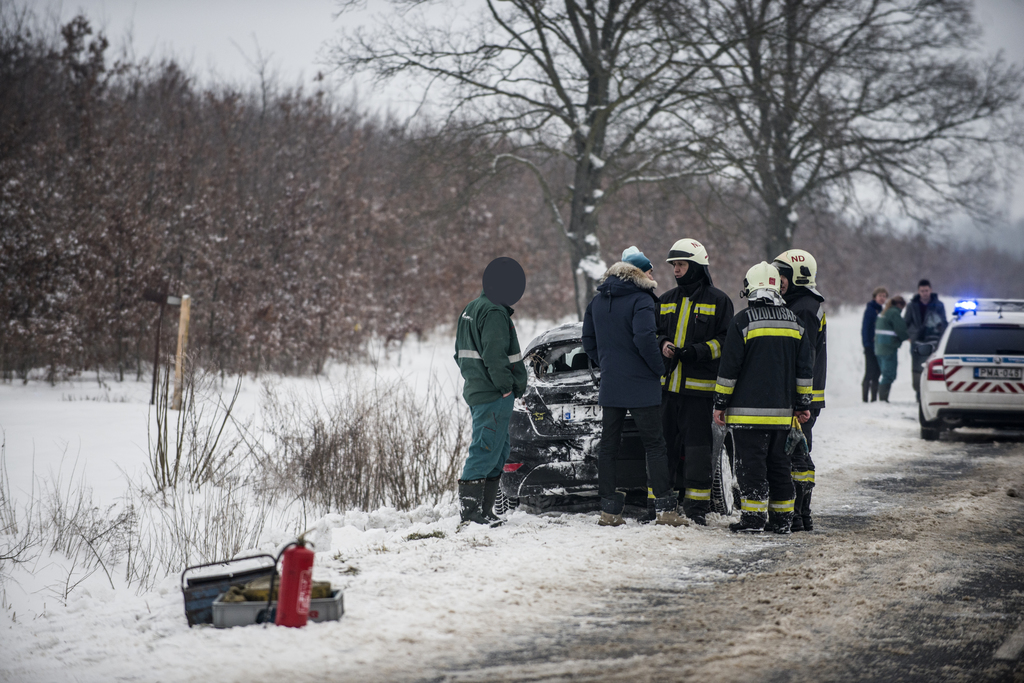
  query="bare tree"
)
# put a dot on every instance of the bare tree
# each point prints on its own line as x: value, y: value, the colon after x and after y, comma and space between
x: 592, y: 89
x: 846, y: 100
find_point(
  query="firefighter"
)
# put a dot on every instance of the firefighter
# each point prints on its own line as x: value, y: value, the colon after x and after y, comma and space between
x: 765, y: 380
x: 799, y: 271
x: 693, y: 318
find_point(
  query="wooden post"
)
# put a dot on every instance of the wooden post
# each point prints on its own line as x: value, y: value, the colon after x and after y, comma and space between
x: 179, y: 360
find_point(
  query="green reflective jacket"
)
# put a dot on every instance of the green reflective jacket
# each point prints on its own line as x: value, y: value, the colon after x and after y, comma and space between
x: 487, y: 351
x: 890, y: 331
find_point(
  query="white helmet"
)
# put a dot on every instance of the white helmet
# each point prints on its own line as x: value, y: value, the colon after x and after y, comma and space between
x: 688, y: 249
x: 762, y: 284
x: 803, y: 266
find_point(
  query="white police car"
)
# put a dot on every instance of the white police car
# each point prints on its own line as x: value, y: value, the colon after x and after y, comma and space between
x: 975, y: 377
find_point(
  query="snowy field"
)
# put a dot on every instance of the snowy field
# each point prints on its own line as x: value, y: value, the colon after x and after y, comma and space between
x: 411, y: 605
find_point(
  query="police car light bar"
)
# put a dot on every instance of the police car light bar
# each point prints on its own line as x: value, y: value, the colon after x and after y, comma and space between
x: 999, y: 306
x: 966, y: 305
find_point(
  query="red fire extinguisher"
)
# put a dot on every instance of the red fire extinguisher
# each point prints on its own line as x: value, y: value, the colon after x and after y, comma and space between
x: 296, y: 584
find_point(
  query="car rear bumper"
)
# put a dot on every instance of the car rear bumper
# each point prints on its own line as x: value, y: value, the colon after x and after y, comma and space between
x: 961, y: 417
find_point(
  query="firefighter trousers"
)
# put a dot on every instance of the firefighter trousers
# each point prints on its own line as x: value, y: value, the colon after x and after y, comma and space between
x: 687, y: 421
x: 763, y: 472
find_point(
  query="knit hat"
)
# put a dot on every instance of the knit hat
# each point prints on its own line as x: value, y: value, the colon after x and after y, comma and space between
x: 635, y: 257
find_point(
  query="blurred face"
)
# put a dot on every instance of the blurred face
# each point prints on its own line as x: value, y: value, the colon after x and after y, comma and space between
x: 925, y: 292
x: 650, y: 274
x: 881, y: 297
x: 679, y: 268
x: 783, y: 284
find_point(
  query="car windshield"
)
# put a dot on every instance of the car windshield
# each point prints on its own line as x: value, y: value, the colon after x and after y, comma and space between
x: 560, y: 359
x: 986, y: 340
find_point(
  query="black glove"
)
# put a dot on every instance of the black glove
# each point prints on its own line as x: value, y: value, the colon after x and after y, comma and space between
x: 686, y: 355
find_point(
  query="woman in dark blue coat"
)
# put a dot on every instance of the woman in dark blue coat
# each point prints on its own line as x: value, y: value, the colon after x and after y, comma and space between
x: 867, y: 335
x: 620, y: 335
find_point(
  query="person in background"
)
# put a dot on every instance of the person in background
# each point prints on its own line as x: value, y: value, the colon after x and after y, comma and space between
x: 693, y: 318
x: 869, y: 386
x: 926, y: 321
x: 619, y: 335
x: 890, y: 332
x: 765, y: 379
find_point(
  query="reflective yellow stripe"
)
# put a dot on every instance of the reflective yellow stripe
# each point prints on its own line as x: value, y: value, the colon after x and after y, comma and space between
x: 668, y: 308
x: 772, y: 332
x: 705, y: 309
x: 716, y: 349
x: 806, y: 475
x: 724, y: 390
x: 676, y: 381
x: 804, y: 390
x: 822, y: 325
x: 697, y: 494
x: 781, y: 505
x: 818, y: 395
x: 650, y: 493
x: 753, y: 505
x: 755, y: 420
x: 700, y: 384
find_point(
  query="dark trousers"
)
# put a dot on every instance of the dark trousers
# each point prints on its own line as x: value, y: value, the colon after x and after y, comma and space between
x: 648, y: 423
x: 686, y: 422
x: 763, y: 472
x: 872, y: 371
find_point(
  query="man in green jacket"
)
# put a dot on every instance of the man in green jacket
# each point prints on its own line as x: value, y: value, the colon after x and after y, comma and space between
x: 487, y: 351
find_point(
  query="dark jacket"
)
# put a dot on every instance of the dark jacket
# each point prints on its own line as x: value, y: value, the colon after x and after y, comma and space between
x: 867, y: 325
x: 766, y: 369
x: 806, y: 304
x: 925, y: 323
x: 620, y: 335
x: 487, y: 351
x: 890, y: 332
x: 698, y: 317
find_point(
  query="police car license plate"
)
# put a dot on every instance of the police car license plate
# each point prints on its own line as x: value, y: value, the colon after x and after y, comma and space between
x: 574, y: 413
x: 998, y: 373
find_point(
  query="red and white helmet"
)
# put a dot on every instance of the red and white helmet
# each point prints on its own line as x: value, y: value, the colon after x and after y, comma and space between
x: 802, y: 265
x: 762, y: 283
x: 688, y: 249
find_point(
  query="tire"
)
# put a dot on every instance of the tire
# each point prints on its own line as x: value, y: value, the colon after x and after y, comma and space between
x: 503, y: 503
x: 930, y: 430
x: 723, y: 483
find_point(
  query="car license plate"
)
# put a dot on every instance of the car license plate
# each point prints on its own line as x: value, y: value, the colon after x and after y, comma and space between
x: 573, y: 413
x: 998, y: 373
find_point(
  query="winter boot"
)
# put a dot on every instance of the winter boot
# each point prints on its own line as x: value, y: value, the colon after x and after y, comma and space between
x: 780, y: 522
x: 798, y: 521
x: 471, y: 495
x: 611, y: 510
x: 864, y: 388
x: 650, y: 514
x: 883, y: 392
x: 697, y: 510
x: 750, y: 523
x: 490, y: 494
x: 874, y: 391
x: 666, y: 508
x: 804, y: 511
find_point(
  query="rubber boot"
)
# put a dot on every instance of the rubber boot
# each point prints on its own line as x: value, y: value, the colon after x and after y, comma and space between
x: 696, y: 510
x: 780, y: 522
x: 750, y: 523
x: 805, y: 509
x: 490, y: 494
x: 666, y: 508
x: 864, y: 388
x: 611, y: 510
x: 798, y: 521
x: 471, y: 495
x: 874, y: 391
x: 650, y: 514
x: 883, y: 392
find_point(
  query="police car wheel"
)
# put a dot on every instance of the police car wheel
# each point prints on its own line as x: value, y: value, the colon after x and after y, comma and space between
x: 930, y: 430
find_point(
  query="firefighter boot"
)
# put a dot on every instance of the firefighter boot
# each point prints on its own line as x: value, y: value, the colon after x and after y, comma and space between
x: 798, y: 521
x: 666, y: 508
x: 883, y: 392
x: 611, y: 510
x: 750, y: 523
x: 471, y: 496
x: 804, y: 511
x: 780, y: 522
x: 490, y: 494
x: 697, y: 510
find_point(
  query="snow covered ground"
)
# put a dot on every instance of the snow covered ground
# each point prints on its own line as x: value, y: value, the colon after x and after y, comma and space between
x: 412, y: 606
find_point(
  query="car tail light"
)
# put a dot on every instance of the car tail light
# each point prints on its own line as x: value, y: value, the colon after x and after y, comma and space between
x: 935, y: 370
x: 512, y: 466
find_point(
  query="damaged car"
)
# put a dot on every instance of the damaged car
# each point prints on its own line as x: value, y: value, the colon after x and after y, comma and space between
x: 555, y: 430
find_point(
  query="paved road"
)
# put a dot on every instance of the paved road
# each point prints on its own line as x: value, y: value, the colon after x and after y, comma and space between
x: 926, y: 589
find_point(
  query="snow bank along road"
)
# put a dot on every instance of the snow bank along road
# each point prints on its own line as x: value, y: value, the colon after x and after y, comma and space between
x: 913, y: 573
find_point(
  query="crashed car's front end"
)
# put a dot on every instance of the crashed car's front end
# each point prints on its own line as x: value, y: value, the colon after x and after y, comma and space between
x: 556, y: 426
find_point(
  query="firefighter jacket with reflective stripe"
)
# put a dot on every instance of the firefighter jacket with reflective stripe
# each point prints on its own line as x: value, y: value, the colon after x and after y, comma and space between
x: 487, y: 351
x: 766, y: 369
x: 807, y: 306
x: 699, y: 321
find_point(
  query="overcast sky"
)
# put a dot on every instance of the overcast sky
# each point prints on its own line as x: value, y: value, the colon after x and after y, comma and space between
x: 220, y: 39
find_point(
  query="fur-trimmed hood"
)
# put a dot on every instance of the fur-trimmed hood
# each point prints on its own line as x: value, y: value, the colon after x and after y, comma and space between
x: 627, y: 272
